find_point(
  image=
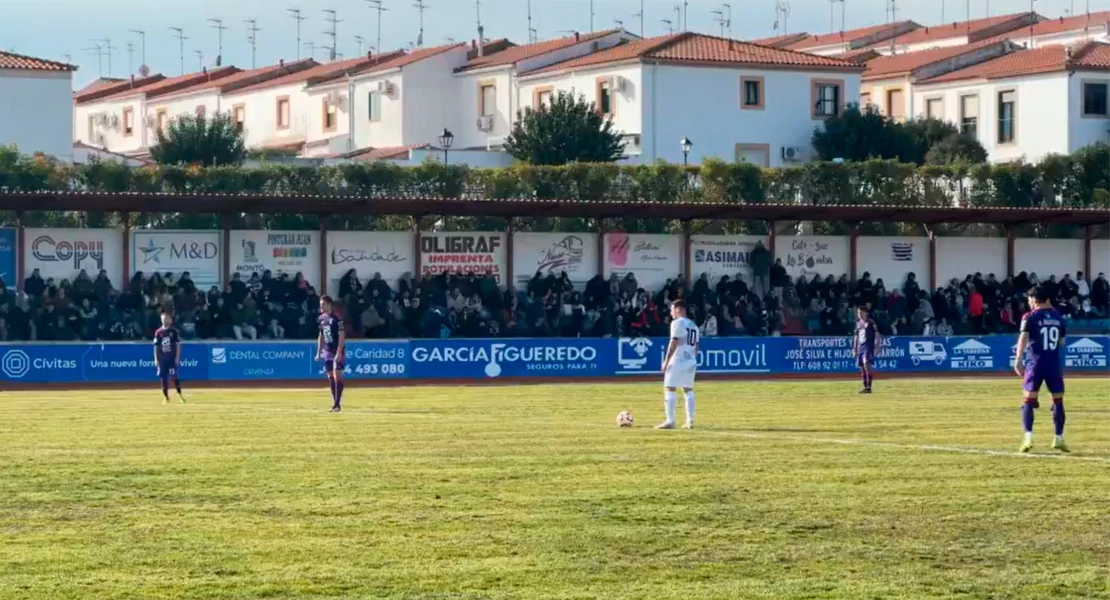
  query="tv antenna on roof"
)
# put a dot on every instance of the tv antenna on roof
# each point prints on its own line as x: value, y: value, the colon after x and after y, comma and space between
x: 333, y: 34
x: 200, y: 59
x: 669, y: 23
x: 377, y: 6
x: 218, y: 25
x: 359, y: 40
x: 782, y: 11
x: 99, y: 51
x: 181, y: 45
x: 296, y: 14
x: 108, y: 47
x: 421, y: 6
x: 531, y: 31
x: 130, y: 58
x: 640, y: 15
x: 843, y: 10
x: 142, y: 44
x: 253, y: 40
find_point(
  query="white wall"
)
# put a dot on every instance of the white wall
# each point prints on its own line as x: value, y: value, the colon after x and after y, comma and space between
x: 716, y: 124
x: 892, y: 258
x: 37, y: 113
x: 1100, y: 258
x: 1085, y: 131
x: 653, y: 259
x: 114, y: 138
x: 1042, y: 113
x: 261, y: 118
x: 720, y: 255
x: 389, y: 253
x: 467, y: 108
x: 63, y: 253
x: 337, y: 139
x: 574, y: 253
x: 959, y: 257
x: 387, y: 131
x: 628, y: 117
x: 183, y: 106
x: 430, y: 98
x: 1048, y: 257
x: 814, y: 255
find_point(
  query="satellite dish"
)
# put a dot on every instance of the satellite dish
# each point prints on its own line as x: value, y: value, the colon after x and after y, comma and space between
x: 144, y: 71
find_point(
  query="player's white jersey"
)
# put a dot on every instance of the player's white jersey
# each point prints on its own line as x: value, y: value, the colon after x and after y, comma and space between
x: 686, y: 332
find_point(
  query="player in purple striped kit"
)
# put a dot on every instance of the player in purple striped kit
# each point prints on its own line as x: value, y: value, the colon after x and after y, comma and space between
x: 1039, y: 361
x: 865, y: 343
x: 331, y: 348
x: 167, y: 357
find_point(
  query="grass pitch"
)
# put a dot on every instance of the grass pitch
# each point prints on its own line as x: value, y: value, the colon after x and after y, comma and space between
x: 786, y: 490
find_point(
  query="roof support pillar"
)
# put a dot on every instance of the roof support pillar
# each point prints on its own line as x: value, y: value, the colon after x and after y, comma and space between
x: 601, y: 247
x: 1009, y: 251
x: 225, y: 227
x: 853, y: 253
x: 932, y: 259
x: 20, y: 244
x: 325, y: 280
x: 1088, y: 233
x: 687, y: 264
x: 772, y: 233
x: 416, y: 258
x: 509, y: 276
x: 125, y: 221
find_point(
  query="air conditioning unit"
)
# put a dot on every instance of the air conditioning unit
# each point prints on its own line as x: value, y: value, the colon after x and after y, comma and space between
x: 485, y: 123
x: 633, y: 143
x: 385, y: 87
x: 337, y: 99
x: 115, y: 122
x: 150, y: 121
x: 102, y: 119
x: 618, y: 83
x: 791, y: 153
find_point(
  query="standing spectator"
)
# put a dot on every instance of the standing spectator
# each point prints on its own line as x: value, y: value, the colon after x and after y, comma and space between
x: 1100, y: 295
x: 1082, y: 286
x: 975, y: 310
x: 34, y: 286
x: 761, y: 269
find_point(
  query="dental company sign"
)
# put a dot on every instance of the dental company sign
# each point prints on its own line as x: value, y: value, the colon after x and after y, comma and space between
x: 63, y: 253
x: 434, y: 359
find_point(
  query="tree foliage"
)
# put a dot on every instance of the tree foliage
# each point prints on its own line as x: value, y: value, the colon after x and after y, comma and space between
x: 199, y: 140
x: 1080, y: 180
x: 862, y: 134
x: 567, y: 130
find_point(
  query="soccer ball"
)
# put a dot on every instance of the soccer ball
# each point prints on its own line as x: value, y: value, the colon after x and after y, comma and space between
x: 625, y: 419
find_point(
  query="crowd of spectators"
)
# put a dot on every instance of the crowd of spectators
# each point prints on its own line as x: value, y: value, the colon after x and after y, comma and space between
x: 268, y: 306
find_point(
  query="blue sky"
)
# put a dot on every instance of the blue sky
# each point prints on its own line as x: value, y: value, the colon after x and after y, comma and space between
x: 56, y: 28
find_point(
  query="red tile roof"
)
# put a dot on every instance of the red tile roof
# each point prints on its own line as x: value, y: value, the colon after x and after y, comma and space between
x: 1047, y: 59
x: 405, y: 58
x: 98, y: 84
x: 251, y: 77
x: 689, y: 47
x: 780, y: 41
x: 321, y: 72
x: 897, y: 65
x: 111, y: 89
x: 382, y: 153
x: 844, y: 37
x: 964, y: 28
x: 11, y: 60
x: 175, y: 84
x: 516, y: 54
x: 860, y: 56
x: 1095, y: 20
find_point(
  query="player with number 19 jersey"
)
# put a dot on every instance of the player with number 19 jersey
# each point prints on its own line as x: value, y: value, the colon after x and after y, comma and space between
x: 1043, y: 361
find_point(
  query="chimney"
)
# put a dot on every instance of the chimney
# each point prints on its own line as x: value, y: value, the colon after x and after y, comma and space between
x: 370, y: 54
x: 1068, y: 51
x: 473, y: 45
x: 577, y: 37
x: 731, y: 45
x: 481, y: 41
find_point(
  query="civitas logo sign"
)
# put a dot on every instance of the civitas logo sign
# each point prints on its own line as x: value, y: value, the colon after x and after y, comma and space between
x: 15, y: 364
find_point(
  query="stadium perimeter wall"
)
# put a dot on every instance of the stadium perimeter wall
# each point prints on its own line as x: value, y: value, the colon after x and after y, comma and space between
x: 76, y: 365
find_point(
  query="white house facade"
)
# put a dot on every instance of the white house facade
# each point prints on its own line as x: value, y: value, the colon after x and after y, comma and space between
x: 37, y: 101
x: 1027, y: 104
x: 734, y: 101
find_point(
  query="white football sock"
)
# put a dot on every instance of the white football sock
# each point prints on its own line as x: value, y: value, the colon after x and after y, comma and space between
x: 690, y: 406
x: 1029, y: 436
x: 670, y: 399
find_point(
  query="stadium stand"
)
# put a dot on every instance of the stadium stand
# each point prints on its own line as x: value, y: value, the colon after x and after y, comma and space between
x: 284, y: 307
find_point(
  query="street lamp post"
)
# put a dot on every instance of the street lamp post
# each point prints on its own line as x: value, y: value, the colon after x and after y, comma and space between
x: 686, y: 146
x: 445, y: 140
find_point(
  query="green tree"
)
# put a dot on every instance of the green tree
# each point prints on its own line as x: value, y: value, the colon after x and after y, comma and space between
x: 568, y: 130
x: 199, y: 140
x: 956, y: 149
x: 862, y: 134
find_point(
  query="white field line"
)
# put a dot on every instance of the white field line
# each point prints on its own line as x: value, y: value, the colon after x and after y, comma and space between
x: 902, y: 446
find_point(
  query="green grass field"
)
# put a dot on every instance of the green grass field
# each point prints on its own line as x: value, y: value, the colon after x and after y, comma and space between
x: 786, y: 490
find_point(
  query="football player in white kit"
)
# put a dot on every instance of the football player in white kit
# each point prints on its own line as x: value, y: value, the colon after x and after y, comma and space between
x: 679, y: 366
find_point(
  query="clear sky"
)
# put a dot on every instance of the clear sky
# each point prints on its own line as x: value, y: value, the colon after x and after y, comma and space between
x: 69, y: 29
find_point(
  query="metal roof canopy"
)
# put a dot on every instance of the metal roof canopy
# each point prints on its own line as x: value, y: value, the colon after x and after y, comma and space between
x: 418, y: 205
